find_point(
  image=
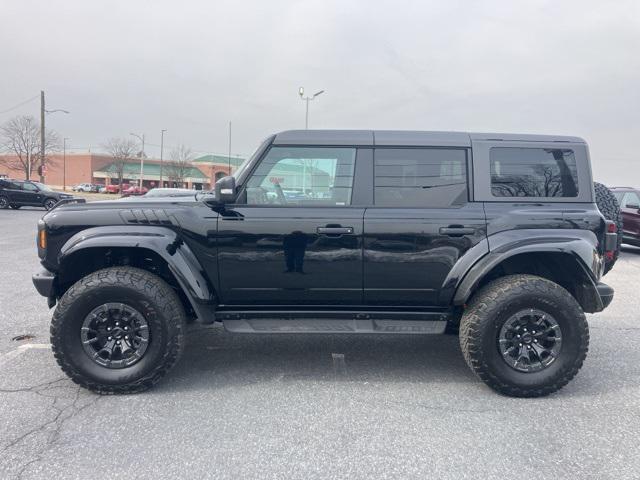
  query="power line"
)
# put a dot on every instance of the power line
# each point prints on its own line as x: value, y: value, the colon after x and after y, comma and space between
x: 20, y: 104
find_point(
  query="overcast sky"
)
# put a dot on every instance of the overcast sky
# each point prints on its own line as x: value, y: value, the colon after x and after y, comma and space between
x: 557, y: 67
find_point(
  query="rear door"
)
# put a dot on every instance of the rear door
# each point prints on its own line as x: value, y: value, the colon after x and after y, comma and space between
x: 15, y: 193
x: 420, y: 225
x: 294, y: 237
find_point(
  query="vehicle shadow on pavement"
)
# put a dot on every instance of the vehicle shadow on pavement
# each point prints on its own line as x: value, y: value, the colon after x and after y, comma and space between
x: 218, y: 359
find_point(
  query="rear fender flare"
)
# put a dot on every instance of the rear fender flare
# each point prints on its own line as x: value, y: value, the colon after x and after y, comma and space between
x: 581, y: 246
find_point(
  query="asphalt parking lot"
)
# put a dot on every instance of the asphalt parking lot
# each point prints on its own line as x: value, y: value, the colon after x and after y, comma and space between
x: 282, y: 407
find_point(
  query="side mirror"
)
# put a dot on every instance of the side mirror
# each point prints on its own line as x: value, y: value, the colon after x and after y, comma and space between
x: 225, y: 189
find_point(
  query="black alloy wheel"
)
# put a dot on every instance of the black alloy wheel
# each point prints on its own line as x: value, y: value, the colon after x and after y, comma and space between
x: 49, y: 203
x: 115, y: 335
x: 530, y: 340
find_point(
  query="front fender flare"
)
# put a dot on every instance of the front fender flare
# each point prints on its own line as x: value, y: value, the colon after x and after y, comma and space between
x: 163, y: 241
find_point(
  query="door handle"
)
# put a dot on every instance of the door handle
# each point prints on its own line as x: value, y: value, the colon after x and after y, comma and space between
x: 335, y: 230
x: 457, y: 231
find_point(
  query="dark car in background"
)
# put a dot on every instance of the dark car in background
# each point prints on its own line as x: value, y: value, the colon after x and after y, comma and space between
x: 629, y: 200
x: 22, y: 193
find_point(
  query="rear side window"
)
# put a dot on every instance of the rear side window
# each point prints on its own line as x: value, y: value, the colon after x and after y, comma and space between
x: 420, y: 177
x: 533, y: 172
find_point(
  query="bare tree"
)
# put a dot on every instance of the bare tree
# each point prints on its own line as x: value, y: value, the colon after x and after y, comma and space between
x: 121, y: 150
x: 180, y: 164
x: 20, y: 139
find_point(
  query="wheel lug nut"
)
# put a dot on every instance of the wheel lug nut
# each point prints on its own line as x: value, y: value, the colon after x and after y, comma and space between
x: 118, y: 342
x: 127, y: 328
x: 108, y: 338
x: 118, y: 323
x: 108, y: 329
x: 518, y: 336
x: 524, y: 329
x: 126, y: 337
x: 533, y: 331
x: 520, y: 344
x: 528, y: 346
x: 535, y: 341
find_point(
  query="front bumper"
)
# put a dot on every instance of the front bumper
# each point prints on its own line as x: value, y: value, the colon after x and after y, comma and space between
x: 45, y: 281
x: 606, y: 294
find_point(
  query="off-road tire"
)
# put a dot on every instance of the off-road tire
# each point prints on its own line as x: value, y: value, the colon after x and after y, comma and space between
x: 610, y: 208
x: 490, y: 308
x: 149, y: 295
x: 4, y: 202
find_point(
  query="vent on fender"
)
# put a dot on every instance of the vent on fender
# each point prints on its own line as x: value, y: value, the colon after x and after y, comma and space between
x: 147, y: 217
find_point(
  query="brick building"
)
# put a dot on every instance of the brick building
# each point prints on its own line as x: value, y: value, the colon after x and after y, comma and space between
x: 100, y: 169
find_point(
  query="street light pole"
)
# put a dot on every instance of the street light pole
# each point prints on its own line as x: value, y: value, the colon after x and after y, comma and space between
x: 307, y: 99
x: 229, y: 158
x: 161, y: 152
x: 141, y: 138
x: 64, y: 163
x: 42, y: 110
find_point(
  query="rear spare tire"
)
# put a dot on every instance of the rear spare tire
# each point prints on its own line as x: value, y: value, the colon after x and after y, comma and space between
x: 610, y: 208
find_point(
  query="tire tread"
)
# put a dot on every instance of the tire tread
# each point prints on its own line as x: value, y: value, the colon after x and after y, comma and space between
x: 152, y: 286
x: 476, y: 319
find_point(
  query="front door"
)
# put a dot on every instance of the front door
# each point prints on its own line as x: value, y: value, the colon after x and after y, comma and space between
x: 421, y: 224
x: 31, y: 194
x: 293, y: 238
x: 630, y: 208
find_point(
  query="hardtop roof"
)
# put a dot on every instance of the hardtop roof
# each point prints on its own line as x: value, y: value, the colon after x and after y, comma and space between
x: 405, y: 138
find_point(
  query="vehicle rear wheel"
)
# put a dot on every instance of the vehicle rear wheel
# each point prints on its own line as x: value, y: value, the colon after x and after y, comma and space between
x: 16, y: 207
x: 4, y: 202
x: 49, y: 203
x: 118, y: 330
x: 524, y: 336
x: 610, y: 208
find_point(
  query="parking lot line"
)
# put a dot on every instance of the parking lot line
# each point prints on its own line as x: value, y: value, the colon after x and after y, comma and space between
x: 7, y: 357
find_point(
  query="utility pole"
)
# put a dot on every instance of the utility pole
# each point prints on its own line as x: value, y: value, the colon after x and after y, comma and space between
x: 307, y: 99
x: 161, y: 152
x: 64, y: 164
x: 42, y: 112
x: 229, y: 148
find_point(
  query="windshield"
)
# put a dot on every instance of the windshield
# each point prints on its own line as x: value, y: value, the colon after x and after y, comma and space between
x: 42, y: 186
x: 238, y: 173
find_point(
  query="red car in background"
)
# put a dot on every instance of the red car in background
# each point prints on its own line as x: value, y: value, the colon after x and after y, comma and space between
x: 629, y: 200
x: 134, y: 190
x: 113, y: 188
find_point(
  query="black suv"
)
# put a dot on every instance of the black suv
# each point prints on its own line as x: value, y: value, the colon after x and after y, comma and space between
x: 495, y: 236
x: 24, y: 193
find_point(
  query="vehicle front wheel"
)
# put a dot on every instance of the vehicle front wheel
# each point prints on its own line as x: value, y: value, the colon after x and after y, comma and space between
x: 524, y: 336
x: 49, y: 203
x: 118, y: 330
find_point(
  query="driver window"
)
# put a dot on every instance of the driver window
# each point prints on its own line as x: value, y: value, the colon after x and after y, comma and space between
x: 29, y: 187
x: 303, y: 176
